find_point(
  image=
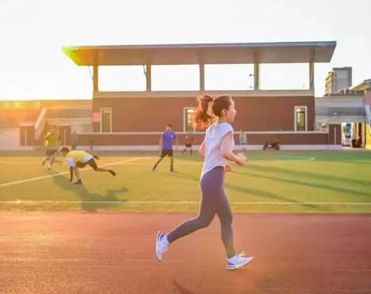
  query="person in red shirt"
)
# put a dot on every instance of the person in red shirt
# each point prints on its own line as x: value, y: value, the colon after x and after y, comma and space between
x: 188, y: 141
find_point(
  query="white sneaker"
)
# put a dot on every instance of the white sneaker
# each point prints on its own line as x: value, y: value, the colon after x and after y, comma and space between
x: 161, y: 245
x: 238, y: 261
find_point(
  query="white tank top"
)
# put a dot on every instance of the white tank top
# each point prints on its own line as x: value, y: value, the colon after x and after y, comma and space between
x: 213, y: 138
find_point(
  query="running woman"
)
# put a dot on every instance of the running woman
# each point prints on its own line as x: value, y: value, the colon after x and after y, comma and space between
x: 77, y: 159
x: 216, y: 149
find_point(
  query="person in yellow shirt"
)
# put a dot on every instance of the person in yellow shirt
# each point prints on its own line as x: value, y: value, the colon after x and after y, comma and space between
x: 77, y: 159
x: 51, y: 142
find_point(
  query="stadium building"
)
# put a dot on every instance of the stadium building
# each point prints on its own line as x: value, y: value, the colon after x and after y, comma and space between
x: 130, y: 106
x: 134, y: 119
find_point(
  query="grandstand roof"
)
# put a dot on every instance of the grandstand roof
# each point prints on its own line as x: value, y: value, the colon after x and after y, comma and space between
x: 220, y: 53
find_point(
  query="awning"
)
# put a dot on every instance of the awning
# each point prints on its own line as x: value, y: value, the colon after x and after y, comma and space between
x: 227, y: 53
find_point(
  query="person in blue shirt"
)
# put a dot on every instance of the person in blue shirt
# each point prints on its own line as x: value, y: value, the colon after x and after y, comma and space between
x: 166, y: 143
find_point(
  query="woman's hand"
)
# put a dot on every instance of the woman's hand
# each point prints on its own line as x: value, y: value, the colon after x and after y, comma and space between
x: 241, y: 158
x: 227, y: 168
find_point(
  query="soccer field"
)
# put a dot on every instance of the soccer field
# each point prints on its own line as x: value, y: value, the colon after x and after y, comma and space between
x: 284, y: 181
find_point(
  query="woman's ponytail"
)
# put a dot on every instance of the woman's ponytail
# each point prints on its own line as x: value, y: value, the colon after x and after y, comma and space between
x: 202, y: 118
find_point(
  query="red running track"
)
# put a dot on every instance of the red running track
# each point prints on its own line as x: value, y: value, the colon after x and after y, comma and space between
x: 114, y: 253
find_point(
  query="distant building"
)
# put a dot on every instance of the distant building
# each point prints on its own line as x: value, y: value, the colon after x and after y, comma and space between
x: 339, y: 79
x: 23, y: 123
x: 364, y: 86
x: 348, y: 106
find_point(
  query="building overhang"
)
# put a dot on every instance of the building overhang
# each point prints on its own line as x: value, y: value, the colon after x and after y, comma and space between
x: 336, y: 110
x: 326, y: 119
x: 183, y: 94
x: 365, y: 85
x: 221, y: 53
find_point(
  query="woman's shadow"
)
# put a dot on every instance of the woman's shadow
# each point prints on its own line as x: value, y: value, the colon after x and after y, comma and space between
x: 91, y: 201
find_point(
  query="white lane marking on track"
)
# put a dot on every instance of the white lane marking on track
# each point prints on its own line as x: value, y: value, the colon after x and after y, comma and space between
x: 67, y: 172
x: 56, y: 202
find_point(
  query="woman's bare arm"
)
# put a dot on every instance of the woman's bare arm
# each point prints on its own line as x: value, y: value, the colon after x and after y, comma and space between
x: 226, y: 149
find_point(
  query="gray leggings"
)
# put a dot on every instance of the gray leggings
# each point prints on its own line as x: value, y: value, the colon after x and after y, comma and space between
x: 213, y: 202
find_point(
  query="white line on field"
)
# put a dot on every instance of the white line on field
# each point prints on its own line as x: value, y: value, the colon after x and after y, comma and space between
x: 67, y: 172
x: 56, y: 202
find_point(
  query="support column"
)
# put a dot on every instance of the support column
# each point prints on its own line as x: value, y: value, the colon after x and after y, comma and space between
x: 311, y: 70
x: 256, y: 76
x: 95, y: 79
x: 256, y: 71
x: 202, y: 77
x: 148, y: 73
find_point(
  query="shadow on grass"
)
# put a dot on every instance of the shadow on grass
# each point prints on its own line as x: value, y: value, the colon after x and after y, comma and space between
x: 247, y: 190
x: 285, y: 172
x: 188, y: 157
x: 186, y: 176
x: 266, y: 194
x: 91, y: 201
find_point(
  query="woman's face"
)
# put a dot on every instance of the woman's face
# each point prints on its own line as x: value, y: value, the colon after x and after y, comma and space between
x: 230, y: 114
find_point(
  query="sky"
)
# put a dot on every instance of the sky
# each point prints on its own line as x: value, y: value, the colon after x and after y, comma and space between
x: 32, y: 34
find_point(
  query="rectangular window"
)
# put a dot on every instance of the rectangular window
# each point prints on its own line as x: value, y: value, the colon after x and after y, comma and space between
x: 300, y: 118
x: 187, y: 121
x: 122, y: 78
x: 284, y: 76
x: 106, y: 121
x: 184, y: 77
x: 229, y: 76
